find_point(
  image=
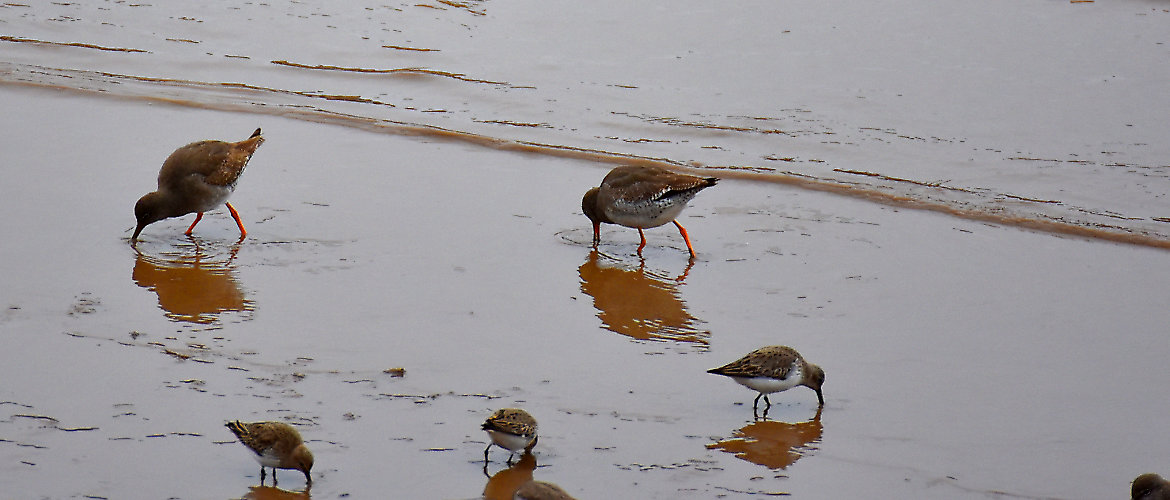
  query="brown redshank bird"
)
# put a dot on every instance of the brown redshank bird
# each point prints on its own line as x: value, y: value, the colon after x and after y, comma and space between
x: 512, y: 429
x: 641, y: 198
x: 276, y: 445
x: 196, y: 178
x: 773, y: 369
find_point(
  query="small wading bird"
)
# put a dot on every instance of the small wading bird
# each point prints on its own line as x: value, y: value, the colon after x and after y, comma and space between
x: 512, y: 429
x: 276, y: 445
x: 196, y: 178
x: 642, y: 198
x: 773, y: 369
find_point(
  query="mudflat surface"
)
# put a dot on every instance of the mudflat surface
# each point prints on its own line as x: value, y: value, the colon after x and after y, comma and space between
x: 403, y: 279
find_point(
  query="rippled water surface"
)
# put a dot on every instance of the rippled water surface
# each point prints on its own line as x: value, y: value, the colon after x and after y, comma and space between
x: 958, y: 212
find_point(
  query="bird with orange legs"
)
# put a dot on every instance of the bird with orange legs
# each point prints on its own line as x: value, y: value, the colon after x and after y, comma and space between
x: 642, y: 198
x: 194, y: 179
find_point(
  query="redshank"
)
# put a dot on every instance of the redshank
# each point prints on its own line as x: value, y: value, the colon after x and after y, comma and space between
x: 773, y: 369
x: 276, y: 445
x: 641, y: 198
x: 196, y: 178
x: 512, y: 429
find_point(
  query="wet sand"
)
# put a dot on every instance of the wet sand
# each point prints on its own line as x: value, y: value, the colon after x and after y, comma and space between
x: 963, y: 359
x: 970, y: 109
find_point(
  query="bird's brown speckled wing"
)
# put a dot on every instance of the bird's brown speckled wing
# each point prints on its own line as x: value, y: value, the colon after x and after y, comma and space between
x: 263, y: 436
x: 632, y: 184
x: 260, y: 436
x: 233, y: 161
x: 512, y: 421
x: 771, y: 361
x: 217, y: 163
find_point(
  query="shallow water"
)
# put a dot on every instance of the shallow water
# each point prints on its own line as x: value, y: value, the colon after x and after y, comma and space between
x: 442, y: 236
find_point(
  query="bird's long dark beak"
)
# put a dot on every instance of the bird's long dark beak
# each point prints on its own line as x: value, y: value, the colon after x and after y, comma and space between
x: 820, y: 398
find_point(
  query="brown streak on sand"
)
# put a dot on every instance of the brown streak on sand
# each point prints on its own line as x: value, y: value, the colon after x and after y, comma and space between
x: 351, y: 98
x: 35, y: 417
x: 936, y: 185
x: 415, y: 49
x: 676, y: 122
x: 176, y: 354
x: 69, y: 44
x: 461, y: 5
x: 794, y: 179
x: 514, y: 124
x: 404, y: 71
x: 328, y: 97
x: 1032, y: 200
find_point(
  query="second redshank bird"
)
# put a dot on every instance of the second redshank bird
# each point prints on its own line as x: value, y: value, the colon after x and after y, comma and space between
x: 194, y: 179
x: 641, y: 198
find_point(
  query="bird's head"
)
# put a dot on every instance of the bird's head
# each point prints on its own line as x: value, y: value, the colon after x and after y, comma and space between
x: 589, y: 206
x: 148, y: 210
x: 303, y: 459
x: 815, y: 379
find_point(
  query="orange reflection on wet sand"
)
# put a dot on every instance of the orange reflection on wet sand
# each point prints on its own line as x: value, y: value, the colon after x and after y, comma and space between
x: 503, y: 485
x: 190, y: 287
x: 775, y: 445
x: 638, y: 303
x: 273, y: 493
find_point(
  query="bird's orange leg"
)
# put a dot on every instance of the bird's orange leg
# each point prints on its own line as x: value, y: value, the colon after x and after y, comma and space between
x: 198, y: 217
x: 643, y: 245
x: 243, y: 233
x: 596, y: 234
x: 686, y: 238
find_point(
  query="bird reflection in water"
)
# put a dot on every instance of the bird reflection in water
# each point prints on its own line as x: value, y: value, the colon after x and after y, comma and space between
x: 191, y: 285
x: 274, y: 493
x: 775, y: 445
x: 639, y: 303
x: 503, y: 485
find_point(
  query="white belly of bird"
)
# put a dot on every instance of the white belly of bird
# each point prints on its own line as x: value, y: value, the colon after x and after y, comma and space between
x: 509, y: 441
x: 644, y: 215
x: 268, y: 458
x: 221, y: 196
x: 768, y: 385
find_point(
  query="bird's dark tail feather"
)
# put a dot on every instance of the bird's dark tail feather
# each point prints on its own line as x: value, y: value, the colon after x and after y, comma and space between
x: 237, y: 428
